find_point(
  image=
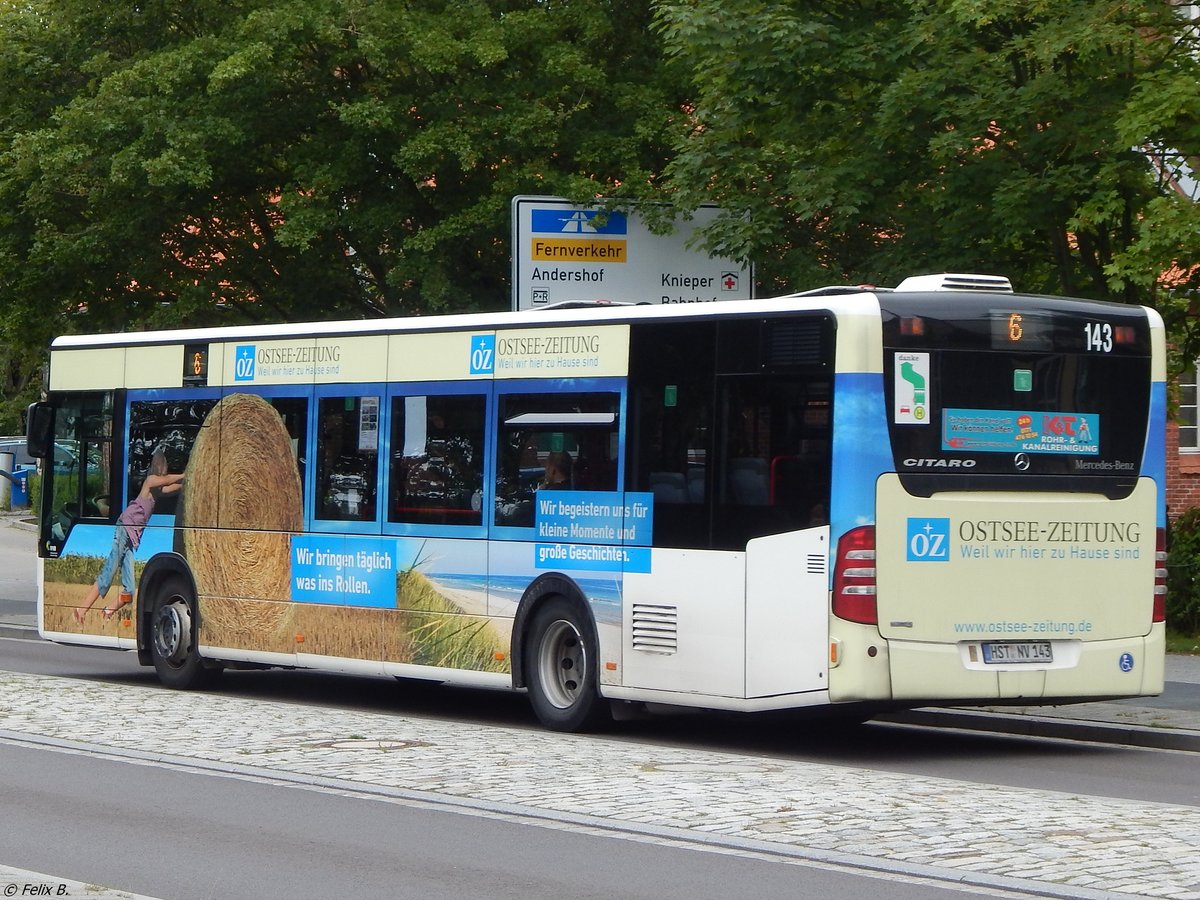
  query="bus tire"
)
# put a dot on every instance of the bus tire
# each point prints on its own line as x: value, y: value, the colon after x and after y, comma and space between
x: 561, y: 671
x: 173, y: 638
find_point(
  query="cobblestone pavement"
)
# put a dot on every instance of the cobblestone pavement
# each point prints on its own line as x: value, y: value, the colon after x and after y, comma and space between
x: 1060, y: 843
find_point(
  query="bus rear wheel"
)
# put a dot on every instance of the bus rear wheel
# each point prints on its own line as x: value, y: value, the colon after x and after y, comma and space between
x: 561, y: 667
x: 172, y: 639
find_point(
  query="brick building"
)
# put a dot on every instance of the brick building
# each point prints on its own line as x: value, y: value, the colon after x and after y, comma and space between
x: 1183, y: 474
x: 1183, y: 447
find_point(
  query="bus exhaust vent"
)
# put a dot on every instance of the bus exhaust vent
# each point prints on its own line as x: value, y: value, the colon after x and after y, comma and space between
x: 793, y: 344
x: 989, y: 284
x: 655, y: 628
x: 816, y: 564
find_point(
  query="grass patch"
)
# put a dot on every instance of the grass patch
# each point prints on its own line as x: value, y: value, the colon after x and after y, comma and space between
x: 1183, y: 643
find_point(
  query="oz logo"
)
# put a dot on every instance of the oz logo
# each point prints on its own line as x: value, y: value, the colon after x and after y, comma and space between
x: 928, y: 540
x: 483, y: 354
x: 243, y: 363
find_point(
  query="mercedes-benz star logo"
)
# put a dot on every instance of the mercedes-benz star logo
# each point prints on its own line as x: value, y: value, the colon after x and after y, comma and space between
x: 1021, y: 461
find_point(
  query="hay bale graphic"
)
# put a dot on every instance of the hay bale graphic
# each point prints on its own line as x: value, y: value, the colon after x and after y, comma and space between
x: 241, y: 503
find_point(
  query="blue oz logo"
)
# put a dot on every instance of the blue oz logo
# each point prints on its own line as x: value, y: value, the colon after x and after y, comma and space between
x: 243, y: 363
x: 483, y: 354
x: 928, y: 540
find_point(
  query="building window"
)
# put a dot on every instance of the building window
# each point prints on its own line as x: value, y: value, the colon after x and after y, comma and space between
x: 1189, y: 440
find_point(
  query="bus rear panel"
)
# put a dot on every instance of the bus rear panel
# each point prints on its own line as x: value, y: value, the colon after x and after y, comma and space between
x: 1014, y: 552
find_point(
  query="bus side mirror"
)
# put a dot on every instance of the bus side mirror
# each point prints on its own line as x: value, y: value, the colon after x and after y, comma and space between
x: 39, y: 430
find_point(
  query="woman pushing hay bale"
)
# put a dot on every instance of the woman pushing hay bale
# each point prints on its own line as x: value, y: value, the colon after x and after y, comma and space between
x: 241, y: 503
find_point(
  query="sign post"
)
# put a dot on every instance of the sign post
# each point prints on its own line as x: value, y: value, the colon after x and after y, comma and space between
x: 564, y: 252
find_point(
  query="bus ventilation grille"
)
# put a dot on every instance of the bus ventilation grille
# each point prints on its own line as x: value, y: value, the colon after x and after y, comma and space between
x: 816, y: 564
x: 655, y: 628
x: 794, y: 344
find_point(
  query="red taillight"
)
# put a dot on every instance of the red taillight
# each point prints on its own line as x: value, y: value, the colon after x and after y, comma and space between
x: 1160, y: 576
x: 854, y: 576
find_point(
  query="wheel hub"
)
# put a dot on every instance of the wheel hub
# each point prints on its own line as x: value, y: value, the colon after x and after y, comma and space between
x: 172, y: 631
x: 562, y: 663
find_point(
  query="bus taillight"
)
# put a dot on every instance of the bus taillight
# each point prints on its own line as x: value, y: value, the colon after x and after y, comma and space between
x: 1160, y: 576
x: 854, y: 576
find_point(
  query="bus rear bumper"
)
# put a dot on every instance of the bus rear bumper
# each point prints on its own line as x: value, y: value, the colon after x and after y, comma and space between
x: 1125, y: 667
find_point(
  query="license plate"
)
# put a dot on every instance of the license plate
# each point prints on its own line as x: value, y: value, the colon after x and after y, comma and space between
x: 1024, y: 652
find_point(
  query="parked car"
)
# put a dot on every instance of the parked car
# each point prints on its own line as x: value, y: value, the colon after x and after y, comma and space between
x: 66, y: 458
x: 16, y: 446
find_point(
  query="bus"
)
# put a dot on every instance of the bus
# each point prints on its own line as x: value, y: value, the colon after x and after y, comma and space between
x: 848, y: 500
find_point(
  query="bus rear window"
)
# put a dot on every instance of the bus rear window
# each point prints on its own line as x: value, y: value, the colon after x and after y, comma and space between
x: 1017, y: 420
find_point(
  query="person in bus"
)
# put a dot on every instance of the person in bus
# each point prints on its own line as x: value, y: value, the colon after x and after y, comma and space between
x: 128, y: 535
x: 558, y: 472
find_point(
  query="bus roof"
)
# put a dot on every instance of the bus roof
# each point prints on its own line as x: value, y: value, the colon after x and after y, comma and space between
x: 863, y: 302
x: 842, y: 303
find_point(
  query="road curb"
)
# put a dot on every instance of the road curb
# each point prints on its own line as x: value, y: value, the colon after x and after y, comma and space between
x: 19, y: 632
x: 1051, y: 727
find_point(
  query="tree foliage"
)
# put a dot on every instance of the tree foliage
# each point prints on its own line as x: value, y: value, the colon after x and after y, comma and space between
x: 1183, y: 573
x: 865, y: 141
x: 166, y: 163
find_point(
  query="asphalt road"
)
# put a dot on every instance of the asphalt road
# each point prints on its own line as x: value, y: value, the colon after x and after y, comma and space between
x: 162, y: 831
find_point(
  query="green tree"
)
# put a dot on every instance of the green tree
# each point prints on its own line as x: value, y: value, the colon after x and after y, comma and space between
x: 18, y: 386
x: 867, y: 141
x: 166, y: 164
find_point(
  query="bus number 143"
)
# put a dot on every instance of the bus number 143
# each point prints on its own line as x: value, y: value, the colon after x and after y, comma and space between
x: 1098, y: 336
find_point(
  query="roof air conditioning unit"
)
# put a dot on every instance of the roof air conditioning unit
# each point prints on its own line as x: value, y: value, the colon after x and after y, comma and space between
x: 990, y: 284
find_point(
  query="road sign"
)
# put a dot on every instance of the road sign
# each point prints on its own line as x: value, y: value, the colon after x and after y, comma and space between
x: 564, y: 252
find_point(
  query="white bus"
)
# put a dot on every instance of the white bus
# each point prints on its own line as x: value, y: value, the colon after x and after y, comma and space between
x: 851, y: 499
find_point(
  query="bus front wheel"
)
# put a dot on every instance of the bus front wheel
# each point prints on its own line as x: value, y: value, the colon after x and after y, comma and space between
x: 172, y: 639
x: 561, y: 667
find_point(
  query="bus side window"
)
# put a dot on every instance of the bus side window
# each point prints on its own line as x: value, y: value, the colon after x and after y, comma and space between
x: 173, y: 427
x: 347, y: 458
x: 552, y: 442
x: 670, y: 429
x: 435, y: 474
x: 78, y: 472
x: 170, y: 425
x: 773, y: 457
x: 294, y: 413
